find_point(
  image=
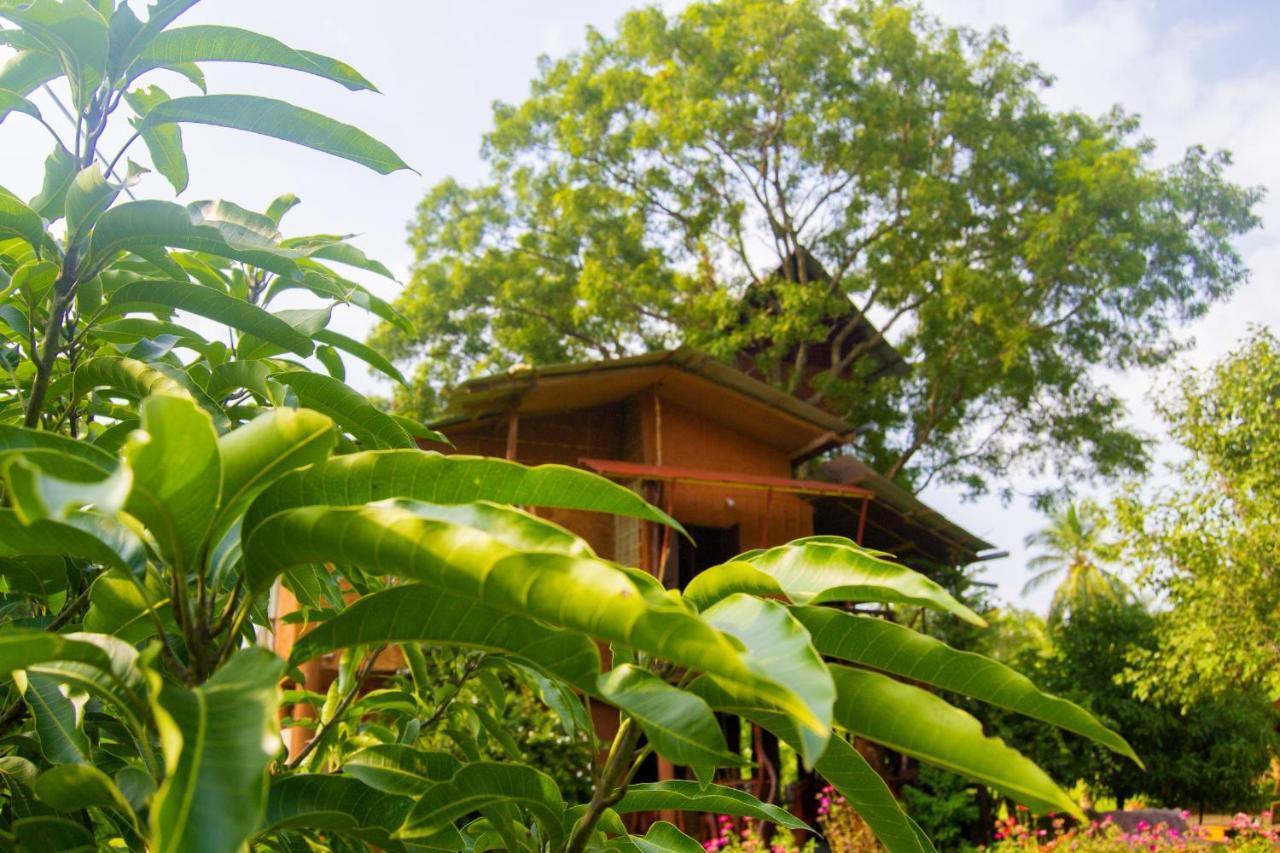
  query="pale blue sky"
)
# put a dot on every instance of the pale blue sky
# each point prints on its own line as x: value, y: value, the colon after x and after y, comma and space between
x: 1197, y: 72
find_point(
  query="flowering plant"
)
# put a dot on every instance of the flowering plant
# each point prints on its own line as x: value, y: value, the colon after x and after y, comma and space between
x: 1245, y: 833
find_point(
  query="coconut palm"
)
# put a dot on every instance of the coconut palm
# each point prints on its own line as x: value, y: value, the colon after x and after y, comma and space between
x: 1073, y: 554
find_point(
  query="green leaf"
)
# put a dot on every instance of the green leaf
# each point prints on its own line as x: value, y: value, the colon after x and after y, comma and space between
x: 85, y: 536
x: 133, y: 378
x: 164, y: 143
x: 779, y: 650
x: 160, y: 14
x: 895, y: 649
x: 28, y: 69
x: 119, y: 607
x: 142, y: 224
x: 917, y: 723
x: 88, y: 196
x: 662, y: 837
x: 679, y: 725
x: 23, y: 648
x: 682, y: 795
x: 322, y: 282
x: 579, y: 594
x: 368, y: 355
x: 240, y: 315
x: 72, y: 787
x: 80, y: 458
x: 345, y: 253
x: 50, y: 834
x: 264, y: 450
x: 348, y: 407
x: 361, y: 478
x: 12, y: 102
x: 58, y: 719
x: 720, y: 582
x: 826, y: 569
x: 279, y: 120
x: 37, y: 496
x: 18, y: 220
x: 231, y: 44
x: 428, y: 614
x: 334, y: 804
x: 484, y: 784
x: 398, y: 769
x: 177, y: 476
x: 217, y: 740
x: 74, y: 30
x: 59, y: 172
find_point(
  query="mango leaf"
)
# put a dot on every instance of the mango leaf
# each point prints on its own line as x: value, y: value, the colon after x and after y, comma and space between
x: 231, y: 44
x: 26, y: 70
x: 895, y: 649
x: 348, y: 407
x: 683, y: 795
x: 265, y: 449
x: 51, y: 834
x: 917, y: 723
x: 368, y: 355
x: 217, y: 741
x: 342, y: 252
x: 399, y: 769
x: 579, y: 594
x: 12, y: 102
x: 37, y: 496
x: 72, y: 787
x: 164, y: 143
x: 334, y: 804
x: 679, y: 725
x: 133, y: 378
x: 779, y: 650
x: 360, y: 478
x: 662, y: 837
x: 720, y: 582
x: 177, y: 476
x: 59, y: 172
x: 82, y: 535
x: 124, y: 607
x: 240, y: 315
x: 279, y: 120
x: 484, y: 784
x: 429, y: 614
x: 141, y: 224
x: 820, y: 570
x: 84, y: 458
x: 18, y: 220
x: 58, y: 718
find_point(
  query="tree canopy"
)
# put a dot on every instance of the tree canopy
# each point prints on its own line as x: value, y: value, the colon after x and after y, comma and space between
x: 654, y: 178
x: 1209, y: 542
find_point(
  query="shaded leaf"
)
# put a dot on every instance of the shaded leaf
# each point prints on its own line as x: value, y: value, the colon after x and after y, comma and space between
x: 682, y: 795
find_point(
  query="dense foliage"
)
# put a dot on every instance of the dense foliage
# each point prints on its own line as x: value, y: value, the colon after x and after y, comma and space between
x: 648, y: 188
x: 1209, y: 541
x: 161, y: 486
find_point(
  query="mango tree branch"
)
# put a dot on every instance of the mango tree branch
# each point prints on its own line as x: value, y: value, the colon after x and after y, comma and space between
x: 610, y: 787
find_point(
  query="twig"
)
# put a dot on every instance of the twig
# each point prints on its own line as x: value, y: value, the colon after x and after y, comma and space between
x: 338, y: 712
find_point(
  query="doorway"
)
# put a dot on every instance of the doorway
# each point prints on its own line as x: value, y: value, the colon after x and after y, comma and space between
x: 711, y: 546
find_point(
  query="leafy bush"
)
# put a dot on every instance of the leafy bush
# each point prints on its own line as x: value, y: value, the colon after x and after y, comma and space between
x: 162, y: 485
x: 1246, y: 833
x: 942, y: 804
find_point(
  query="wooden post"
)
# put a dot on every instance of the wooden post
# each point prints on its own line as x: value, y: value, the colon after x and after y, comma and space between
x: 764, y: 524
x: 513, y: 430
x: 862, y: 520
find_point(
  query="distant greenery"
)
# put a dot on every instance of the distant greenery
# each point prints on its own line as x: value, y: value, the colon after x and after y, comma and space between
x: 1073, y: 557
x: 653, y: 179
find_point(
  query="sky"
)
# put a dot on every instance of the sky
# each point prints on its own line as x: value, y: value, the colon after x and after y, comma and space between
x: 1195, y: 72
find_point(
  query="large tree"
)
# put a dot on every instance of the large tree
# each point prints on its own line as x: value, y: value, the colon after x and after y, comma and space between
x: 1209, y: 539
x: 1073, y: 555
x: 654, y: 178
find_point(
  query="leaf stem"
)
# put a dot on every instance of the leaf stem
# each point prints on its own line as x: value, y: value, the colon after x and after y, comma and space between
x: 339, y: 711
x: 610, y: 787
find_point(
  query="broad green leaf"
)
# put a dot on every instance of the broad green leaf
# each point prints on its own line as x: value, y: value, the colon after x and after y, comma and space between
x: 230, y: 44
x: 58, y: 718
x: 26, y: 70
x: 662, y: 837
x: 85, y: 536
x: 88, y: 196
x: 327, y: 284
x: 140, y: 224
x: 281, y: 205
x: 896, y: 649
x: 37, y: 496
x: 38, y: 575
x: 360, y: 478
x: 484, y: 784
x: 177, y: 476
x: 73, y: 29
x: 164, y: 143
x: 821, y: 570
x: 919, y: 724
x: 334, y: 804
x: 128, y: 608
x: 236, y: 313
x: 579, y: 594
x: 160, y: 14
x: 779, y: 650
x: 720, y: 582
x: 84, y: 458
x: 23, y: 648
x: 351, y: 409
x: 682, y: 795
x: 368, y: 355
x: 51, y: 834
x: 679, y: 725
x: 129, y: 376
x: 134, y: 329
x: 12, y: 102
x: 252, y: 376
x: 265, y: 449
x: 72, y: 787
x: 345, y: 253
x: 279, y: 120
x: 399, y: 769
x: 217, y: 740
x: 59, y: 172
x: 18, y: 220
x: 429, y: 614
